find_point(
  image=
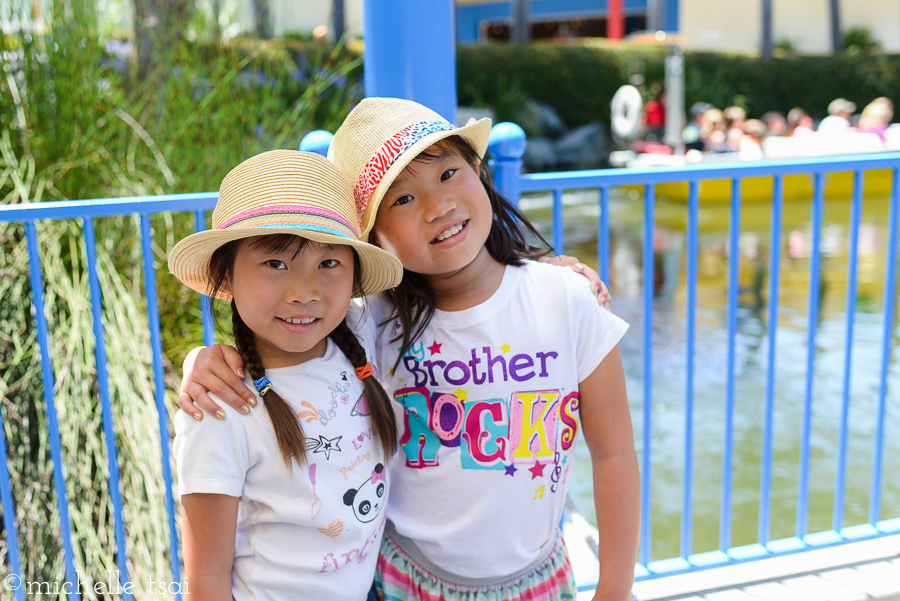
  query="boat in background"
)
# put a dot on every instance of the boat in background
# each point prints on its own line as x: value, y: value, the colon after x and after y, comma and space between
x: 876, y: 183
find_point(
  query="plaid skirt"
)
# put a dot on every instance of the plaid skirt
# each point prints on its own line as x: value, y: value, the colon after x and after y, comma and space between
x: 400, y: 578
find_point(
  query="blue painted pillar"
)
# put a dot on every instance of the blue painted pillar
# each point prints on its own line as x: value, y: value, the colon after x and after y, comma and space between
x: 410, y: 52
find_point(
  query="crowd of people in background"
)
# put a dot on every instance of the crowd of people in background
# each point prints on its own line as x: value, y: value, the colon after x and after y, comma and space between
x: 729, y: 130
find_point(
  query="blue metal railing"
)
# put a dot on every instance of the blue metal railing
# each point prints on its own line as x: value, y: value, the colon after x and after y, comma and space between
x: 507, y: 148
x: 29, y: 214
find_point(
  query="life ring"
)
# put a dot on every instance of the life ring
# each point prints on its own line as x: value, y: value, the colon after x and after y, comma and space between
x: 627, y: 105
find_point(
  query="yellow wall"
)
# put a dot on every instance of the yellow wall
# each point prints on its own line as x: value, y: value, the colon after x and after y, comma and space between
x: 737, y: 24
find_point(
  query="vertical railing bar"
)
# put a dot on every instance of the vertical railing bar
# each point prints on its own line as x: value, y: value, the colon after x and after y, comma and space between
x: 813, y: 312
x: 840, y: 482
x: 603, y: 250
x: 558, y: 226
x: 734, y: 232
x: 687, y: 506
x: 103, y: 385
x: 648, y: 264
x: 209, y: 336
x: 47, y: 380
x: 9, y: 514
x: 890, y: 288
x: 765, y: 485
x: 160, y: 391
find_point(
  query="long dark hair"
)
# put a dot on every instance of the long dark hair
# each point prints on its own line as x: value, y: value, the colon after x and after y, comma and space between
x: 413, y: 300
x: 288, y: 430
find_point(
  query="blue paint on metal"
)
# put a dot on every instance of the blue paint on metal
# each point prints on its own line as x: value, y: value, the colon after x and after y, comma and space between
x: 317, y: 141
x: 507, y: 145
x: 890, y: 292
x: 109, y: 435
x: 160, y: 391
x: 765, y: 485
x: 813, y: 322
x: 734, y: 259
x: 47, y: 381
x: 840, y: 482
x: 648, y: 278
x: 411, y: 52
x: 9, y: 515
x: 209, y: 330
x: 83, y: 209
x: 603, y: 236
x: 687, y: 506
x: 558, y: 228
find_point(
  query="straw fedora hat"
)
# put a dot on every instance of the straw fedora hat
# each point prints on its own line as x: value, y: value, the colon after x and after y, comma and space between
x: 381, y: 136
x: 283, y: 192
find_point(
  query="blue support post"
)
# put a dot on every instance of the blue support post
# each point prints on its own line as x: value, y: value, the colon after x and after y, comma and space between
x: 603, y: 236
x: 765, y: 486
x: 209, y: 335
x: 647, y: 292
x: 507, y: 145
x: 317, y: 141
x: 411, y: 52
x: 693, y: 232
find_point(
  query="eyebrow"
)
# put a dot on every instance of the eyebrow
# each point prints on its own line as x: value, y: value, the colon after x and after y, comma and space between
x: 444, y: 155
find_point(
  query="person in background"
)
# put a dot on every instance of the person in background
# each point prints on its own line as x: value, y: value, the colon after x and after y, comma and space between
x: 713, y: 131
x: 799, y: 123
x: 776, y: 124
x: 838, y: 120
x: 876, y: 117
x: 654, y: 117
x: 751, y: 142
x: 734, y: 126
x: 692, y: 133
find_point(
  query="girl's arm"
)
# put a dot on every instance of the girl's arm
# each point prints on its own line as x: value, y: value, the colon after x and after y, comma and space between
x: 208, y: 525
x: 606, y: 423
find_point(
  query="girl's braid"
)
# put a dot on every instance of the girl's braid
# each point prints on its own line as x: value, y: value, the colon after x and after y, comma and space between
x: 288, y: 431
x: 380, y: 411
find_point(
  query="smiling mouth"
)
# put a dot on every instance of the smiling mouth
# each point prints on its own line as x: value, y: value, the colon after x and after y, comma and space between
x: 450, y: 232
x: 298, y: 320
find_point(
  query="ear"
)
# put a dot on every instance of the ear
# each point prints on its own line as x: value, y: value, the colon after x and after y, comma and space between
x: 379, y: 468
x: 226, y: 285
x: 349, y: 496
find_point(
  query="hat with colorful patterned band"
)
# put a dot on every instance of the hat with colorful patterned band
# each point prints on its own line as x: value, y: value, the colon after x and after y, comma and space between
x: 381, y: 136
x: 283, y: 192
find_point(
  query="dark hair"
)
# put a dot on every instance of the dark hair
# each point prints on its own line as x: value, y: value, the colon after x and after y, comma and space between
x: 285, y: 421
x: 413, y: 299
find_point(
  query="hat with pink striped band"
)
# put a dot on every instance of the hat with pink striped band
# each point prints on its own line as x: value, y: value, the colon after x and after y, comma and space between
x: 283, y: 192
x: 381, y: 136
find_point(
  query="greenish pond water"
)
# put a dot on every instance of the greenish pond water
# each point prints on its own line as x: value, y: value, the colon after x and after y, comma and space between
x: 669, y: 361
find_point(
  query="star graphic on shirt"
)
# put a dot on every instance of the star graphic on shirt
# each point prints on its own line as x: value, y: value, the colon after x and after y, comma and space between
x: 435, y: 348
x: 504, y: 348
x: 461, y: 394
x: 327, y: 445
x: 537, y: 469
x: 511, y: 469
x: 565, y: 459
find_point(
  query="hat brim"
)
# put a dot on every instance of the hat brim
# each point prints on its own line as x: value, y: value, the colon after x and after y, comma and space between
x: 189, y: 259
x: 476, y: 135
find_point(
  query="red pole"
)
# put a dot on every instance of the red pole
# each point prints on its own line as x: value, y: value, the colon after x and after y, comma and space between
x: 615, y: 20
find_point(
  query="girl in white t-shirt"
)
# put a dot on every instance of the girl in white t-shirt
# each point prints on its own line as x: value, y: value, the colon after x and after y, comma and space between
x: 495, y: 361
x: 288, y: 503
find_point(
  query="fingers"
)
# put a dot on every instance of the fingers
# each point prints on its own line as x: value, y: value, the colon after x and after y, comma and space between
x: 233, y: 360
x: 195, y: 396
x: 603, y: 296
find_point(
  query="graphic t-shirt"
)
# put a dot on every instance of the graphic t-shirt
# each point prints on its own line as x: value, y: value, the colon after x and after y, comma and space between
x: 311, y: 533
x: 490, y: 415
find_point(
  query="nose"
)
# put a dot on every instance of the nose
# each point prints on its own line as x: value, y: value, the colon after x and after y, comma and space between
x: 303, y: 287
x: 439, y: 205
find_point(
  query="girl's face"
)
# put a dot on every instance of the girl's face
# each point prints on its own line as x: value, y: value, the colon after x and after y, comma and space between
x: 436, y: 216
x: 291, y: 299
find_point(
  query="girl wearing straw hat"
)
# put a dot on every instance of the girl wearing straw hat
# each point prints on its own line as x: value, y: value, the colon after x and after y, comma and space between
x: 496, y: 361
x: 288, y: 503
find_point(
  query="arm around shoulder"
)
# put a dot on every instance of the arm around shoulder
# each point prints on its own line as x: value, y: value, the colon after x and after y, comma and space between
x: 606, y: 424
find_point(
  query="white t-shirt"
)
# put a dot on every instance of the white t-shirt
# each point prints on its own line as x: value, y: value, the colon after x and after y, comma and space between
x: 491, y: 412
x: 833, y: 124
x: 313, y: 533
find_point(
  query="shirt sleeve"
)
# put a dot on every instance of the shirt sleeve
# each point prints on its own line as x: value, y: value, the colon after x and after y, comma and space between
x: 212, y: 456
x: 595, y: 330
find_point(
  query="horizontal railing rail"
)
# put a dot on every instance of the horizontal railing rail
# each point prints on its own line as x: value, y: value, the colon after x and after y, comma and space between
x: 507, y: 150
